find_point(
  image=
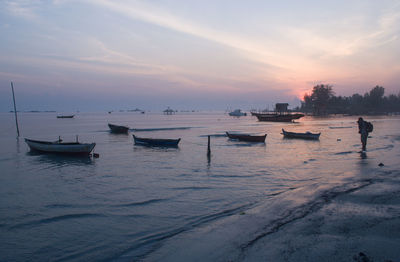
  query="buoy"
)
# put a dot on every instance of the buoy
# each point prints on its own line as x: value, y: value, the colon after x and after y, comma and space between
x: 95, y: 155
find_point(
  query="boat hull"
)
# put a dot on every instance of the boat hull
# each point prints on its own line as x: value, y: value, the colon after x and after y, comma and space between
x: 247, y: 138
x: 71, y: 116
x: 277, y: 117
x: 307, y: 135
x: 156, y: 142
x: 118, y: 129
x: 59, y: 147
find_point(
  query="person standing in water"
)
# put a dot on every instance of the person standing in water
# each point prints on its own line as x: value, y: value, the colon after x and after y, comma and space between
x: 364, y: 128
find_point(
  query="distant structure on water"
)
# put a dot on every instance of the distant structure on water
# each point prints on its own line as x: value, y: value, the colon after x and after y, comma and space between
x: 169, y: 111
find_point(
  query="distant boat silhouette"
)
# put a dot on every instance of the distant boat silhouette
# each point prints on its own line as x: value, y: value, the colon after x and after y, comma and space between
x: 156, y: 141
x: 65, y: 116
x: 247, y: 138
x: 277, y: 117
x: 118, y: 129
x: 306, y: 135
x: 237, y: 112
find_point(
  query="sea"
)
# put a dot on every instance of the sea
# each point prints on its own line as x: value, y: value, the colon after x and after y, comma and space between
x: 133, y: 202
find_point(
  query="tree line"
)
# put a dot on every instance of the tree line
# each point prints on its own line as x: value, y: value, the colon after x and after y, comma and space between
x: 322, y: 101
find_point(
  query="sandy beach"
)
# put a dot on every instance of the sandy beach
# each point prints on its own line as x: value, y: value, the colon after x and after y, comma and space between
x: 362, y: 224
x: 355, y: 221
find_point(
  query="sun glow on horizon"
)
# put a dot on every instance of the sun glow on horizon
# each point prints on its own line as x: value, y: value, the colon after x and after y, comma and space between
x: 134, y: 47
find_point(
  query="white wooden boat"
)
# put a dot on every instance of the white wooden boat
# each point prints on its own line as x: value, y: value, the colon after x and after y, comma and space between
x: 60, y: 147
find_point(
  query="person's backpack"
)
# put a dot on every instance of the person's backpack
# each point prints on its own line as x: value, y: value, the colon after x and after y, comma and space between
x: 370, y: 127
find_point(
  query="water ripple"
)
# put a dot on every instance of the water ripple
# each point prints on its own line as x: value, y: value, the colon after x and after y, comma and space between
x: 160, y: 129
x: 55, y: 219
x: 142, y: 203
x: 149, y: 243
x: 344, y: 153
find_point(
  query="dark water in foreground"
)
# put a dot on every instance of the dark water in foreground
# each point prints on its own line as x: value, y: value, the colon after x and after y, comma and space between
x: 132, y: 200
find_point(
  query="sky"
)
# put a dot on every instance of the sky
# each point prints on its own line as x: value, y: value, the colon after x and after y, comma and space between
x: 91, y: 55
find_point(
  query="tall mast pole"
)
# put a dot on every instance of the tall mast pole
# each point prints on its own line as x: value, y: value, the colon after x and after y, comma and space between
x: 15, y: 109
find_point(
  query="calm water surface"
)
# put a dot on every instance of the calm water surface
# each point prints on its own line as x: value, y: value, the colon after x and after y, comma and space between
x: 126, y: 204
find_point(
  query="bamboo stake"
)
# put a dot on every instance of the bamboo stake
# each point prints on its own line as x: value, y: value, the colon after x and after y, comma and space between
x: 208, y: 147
x: 15, y: 109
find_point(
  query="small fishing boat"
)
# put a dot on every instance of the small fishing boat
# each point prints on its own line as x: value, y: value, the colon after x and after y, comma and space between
x: 65, y: 116
x: 277, y: 117
x: 156, y: 141
x: 118, y: 129
x: 237, y: 112
x: 247, y: 138
x: 60, y: 147
x: 306, y: 135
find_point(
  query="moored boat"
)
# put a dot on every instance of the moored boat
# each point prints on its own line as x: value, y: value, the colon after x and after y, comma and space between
x: 60, y: 147
x: 118, y: 129
x: 237, y: 112
x: 162, y: 142
x: 65, y: 116
x: 277, y: 117
x: 306, y: 135
x: 247, y: 137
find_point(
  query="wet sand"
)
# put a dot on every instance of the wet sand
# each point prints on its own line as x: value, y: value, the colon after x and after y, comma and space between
x: 361, y: 225
x: 358, y: 220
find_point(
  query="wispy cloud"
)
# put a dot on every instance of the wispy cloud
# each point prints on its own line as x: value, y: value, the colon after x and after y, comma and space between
x: 154, y: 15
x: 295, y: 50
x: 23, y: 9
x: 348, y: 37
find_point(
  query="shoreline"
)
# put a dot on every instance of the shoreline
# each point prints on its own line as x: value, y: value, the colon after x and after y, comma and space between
x: 354, y: 221
x: 361, y: 225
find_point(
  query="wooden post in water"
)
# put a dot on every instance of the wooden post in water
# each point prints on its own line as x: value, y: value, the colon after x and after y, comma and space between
x: 15, y: 109
x: 208, y: 147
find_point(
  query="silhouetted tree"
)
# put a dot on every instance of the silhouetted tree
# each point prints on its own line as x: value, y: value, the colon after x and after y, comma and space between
x: 356, y: 104
x: 320, y: 97
x: 322, y: 101
x: 392, y: 103
x: 306, y: 106
x: 375, y: 99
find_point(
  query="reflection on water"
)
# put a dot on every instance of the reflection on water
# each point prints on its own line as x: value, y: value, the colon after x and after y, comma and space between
x: 363, y: 155
x: 61, y: 160
x: 152, y: 148
x: 118, y: 134
x: 236, y: 143
x: 18, y: 146
x: 159, y: 129
x: 295, y: 138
